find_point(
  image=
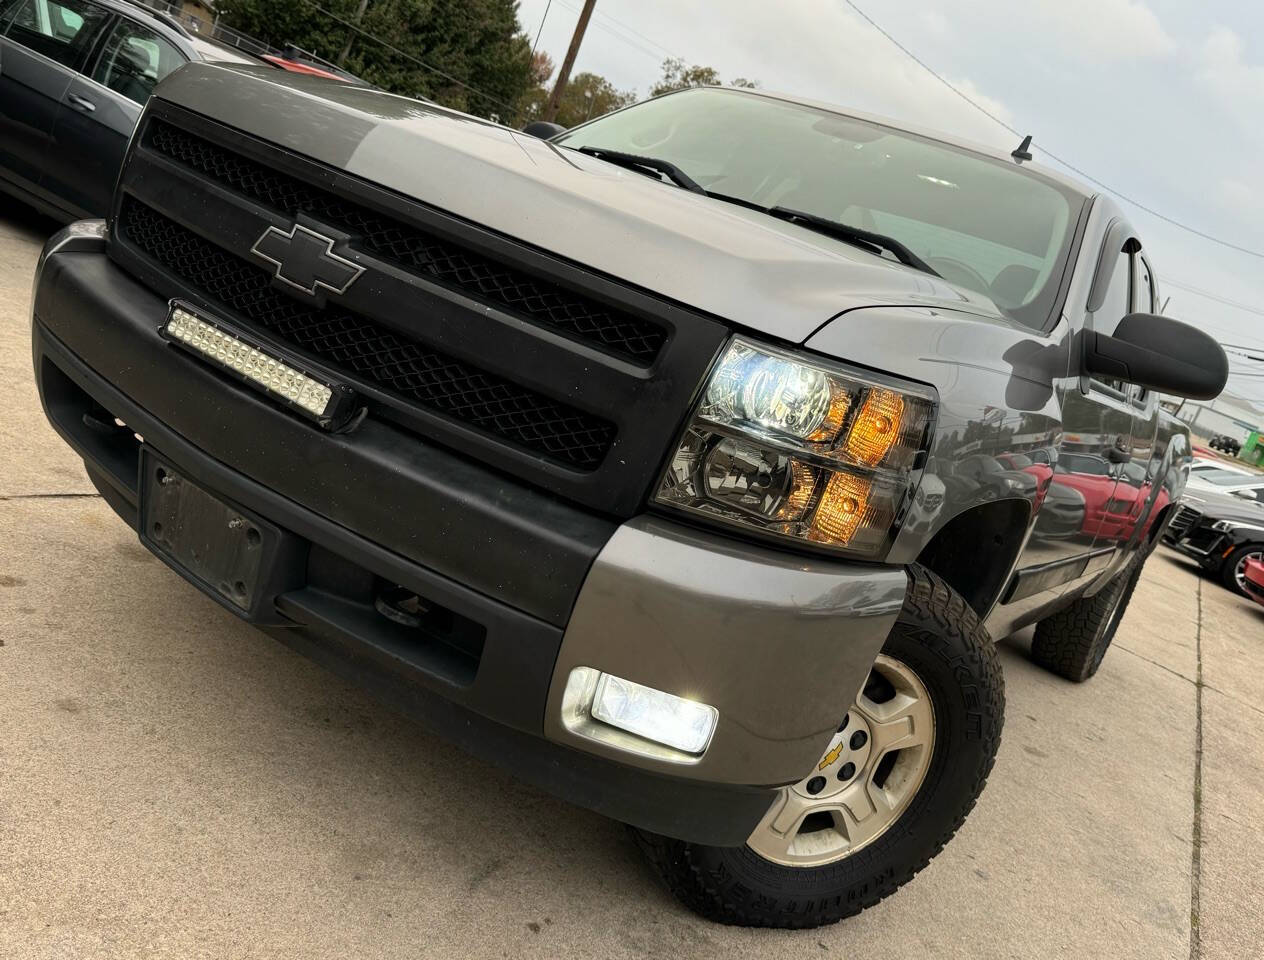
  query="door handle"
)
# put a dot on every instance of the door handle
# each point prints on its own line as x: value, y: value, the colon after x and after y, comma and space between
x: 80, y: 103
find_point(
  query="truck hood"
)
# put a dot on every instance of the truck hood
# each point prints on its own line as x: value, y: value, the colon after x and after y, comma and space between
x: 736, y: 264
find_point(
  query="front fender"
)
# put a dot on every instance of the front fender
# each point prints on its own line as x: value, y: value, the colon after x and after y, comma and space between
x: 998, y: 388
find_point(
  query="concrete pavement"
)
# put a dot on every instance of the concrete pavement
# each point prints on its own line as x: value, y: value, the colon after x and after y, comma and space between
x: 173, y: 784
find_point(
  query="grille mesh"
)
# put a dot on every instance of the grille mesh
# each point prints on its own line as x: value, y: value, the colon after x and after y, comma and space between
x: 369, y: 351
x: 536, y: 300
x: 1182, y: 520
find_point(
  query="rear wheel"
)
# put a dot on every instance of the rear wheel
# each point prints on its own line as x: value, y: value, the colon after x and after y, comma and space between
x: 1233, y: 571
x: 911, y: 755
x: 1073, y: 641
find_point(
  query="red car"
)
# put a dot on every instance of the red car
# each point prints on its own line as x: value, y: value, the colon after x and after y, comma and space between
x: 1109, y: 508
x: 298, y: 66
x: 1254, y: 583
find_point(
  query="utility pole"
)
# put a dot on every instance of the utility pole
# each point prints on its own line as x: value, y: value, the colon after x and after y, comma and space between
x: 346, y: 49
x: 564, y: 74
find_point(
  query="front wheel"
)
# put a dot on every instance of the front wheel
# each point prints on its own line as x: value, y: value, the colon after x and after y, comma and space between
x: 910, y: 757
x: 1233, y: 571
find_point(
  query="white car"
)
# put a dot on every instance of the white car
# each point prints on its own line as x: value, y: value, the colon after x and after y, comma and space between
x: 1249, y: 486
x: 1204, y: 465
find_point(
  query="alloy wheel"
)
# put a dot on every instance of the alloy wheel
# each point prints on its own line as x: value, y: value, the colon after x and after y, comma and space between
x: 865, y: 780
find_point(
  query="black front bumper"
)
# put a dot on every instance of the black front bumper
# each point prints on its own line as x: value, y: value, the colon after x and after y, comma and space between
x: 1205, y: 546
x: 503, y: 560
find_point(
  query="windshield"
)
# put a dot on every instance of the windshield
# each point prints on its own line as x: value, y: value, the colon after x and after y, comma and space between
x: 1134, y: 473
x: 983, y: 224
x: 1018, y: 461
x: 1075, y: 463
x: 1224, y: 478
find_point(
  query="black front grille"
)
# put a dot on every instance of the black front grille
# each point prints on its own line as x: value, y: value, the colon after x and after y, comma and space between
x: 534, y: 299
x: 1182, y: 520
x: 366, y: 350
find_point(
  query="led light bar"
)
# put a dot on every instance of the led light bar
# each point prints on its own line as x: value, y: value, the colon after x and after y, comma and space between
x: 325, y: 403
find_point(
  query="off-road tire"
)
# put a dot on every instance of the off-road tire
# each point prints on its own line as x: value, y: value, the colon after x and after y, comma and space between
x: 941, y: 638
x: 1073, y: 642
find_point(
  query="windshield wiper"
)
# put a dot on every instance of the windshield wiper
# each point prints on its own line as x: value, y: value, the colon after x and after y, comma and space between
x: 634, y: 161
x: 874, y: 242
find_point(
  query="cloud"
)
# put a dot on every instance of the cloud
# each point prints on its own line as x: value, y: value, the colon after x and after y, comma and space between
x: 1235, y: 85
x: 1109, y: 30
x: 832, y: 55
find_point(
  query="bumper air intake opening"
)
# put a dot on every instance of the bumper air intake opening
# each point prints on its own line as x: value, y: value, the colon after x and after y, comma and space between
x: 344, y: 598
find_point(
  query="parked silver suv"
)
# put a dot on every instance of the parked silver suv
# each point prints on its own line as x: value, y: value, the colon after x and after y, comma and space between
x: 679, y: 464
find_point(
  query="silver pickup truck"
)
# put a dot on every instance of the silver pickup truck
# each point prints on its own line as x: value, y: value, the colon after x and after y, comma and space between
x: 687, y: 463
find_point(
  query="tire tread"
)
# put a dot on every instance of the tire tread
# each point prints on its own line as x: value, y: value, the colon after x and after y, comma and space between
x: 929, y: 600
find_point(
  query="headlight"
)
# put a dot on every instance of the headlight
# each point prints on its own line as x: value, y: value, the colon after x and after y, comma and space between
x: 1228, y: 526
x: 798, y: 448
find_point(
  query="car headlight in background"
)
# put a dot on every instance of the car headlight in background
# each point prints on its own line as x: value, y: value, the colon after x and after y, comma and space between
x: 800, y: 448
x: 1228, y: 526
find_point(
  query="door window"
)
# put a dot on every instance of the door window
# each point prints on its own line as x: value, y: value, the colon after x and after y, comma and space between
x: 134, y: 60
x: 59, y: 29
x: 1143, y: 302
x: 1114, y: 308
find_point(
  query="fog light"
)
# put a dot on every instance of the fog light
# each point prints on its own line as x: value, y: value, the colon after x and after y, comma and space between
x: 636, y: 718
x: 662, y: 717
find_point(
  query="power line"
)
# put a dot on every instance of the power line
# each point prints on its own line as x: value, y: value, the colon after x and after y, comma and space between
x: 1074, y: 169
x: 1248, y: 308
x: 408, y: 56
x: 619, y: 35
x: 547, y: 7
x: 602, y: 15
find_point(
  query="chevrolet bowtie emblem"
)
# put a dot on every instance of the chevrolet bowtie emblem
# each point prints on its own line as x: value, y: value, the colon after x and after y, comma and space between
x: 305, y: 260
x: 831, y: 756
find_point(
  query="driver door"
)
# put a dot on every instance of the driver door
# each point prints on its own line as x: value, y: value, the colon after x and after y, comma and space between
x: 1098, y: 420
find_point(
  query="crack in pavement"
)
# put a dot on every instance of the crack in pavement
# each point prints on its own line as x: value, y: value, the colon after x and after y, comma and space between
x: 1237, y: 701
x: 1196, y: 853
x: 1161, y: 666
x: 47, y: 496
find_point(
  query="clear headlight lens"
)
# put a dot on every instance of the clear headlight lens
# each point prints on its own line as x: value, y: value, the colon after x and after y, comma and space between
x: 800, y: 448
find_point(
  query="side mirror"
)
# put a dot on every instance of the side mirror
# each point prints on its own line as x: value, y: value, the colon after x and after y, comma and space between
x: 1161, y: 354
x: 1247, y: 495
x: 543, y: 129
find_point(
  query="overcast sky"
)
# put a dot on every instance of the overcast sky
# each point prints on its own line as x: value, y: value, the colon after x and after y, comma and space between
x: 1160, y: 99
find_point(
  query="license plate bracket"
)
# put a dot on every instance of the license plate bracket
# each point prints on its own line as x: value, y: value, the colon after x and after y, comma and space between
x: 236, y: 557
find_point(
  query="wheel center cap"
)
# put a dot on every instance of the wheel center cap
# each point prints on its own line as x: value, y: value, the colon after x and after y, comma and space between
x: 843, y: 763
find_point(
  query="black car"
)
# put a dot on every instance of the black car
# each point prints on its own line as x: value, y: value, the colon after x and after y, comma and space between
x: 1225, y: 444
x: 1222, y: 531
x: 74, y: 75
x: 986, y: 478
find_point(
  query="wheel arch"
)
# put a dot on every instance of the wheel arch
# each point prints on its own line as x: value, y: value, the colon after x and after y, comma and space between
x: 996, y: 530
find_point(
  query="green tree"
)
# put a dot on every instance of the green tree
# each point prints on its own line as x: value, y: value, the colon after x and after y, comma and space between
x: 586, y: 96
x: 677, y: 75
x: 475, y: 55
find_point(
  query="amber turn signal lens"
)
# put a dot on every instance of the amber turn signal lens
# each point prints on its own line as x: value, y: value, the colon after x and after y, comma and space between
x: 877, y: 427
x: 842, y: 508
